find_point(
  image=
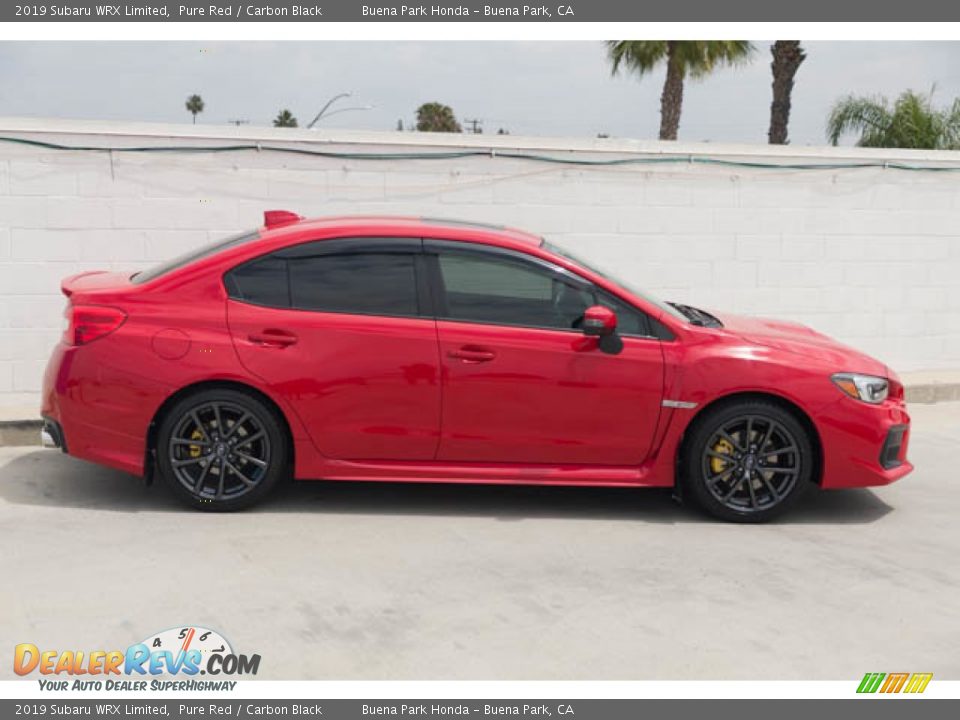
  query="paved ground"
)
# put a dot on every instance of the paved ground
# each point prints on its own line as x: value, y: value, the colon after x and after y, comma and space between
x: 415, y: 582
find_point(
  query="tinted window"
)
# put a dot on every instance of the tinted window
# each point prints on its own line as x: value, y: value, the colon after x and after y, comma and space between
x: 510, y: 292
x: 666, y: 307
x: 262, y: 282
x: 192, y: 256
x: 630, y: 321
x: 367, y: 283
x: 507, y: 291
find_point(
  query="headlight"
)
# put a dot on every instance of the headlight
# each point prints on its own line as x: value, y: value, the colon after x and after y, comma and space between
x: 868, y: 388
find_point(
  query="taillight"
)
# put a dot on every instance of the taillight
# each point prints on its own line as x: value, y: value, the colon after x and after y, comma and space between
x: 86, y: 323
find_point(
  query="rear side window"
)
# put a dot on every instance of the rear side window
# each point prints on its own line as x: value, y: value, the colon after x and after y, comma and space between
x: 365, y: 283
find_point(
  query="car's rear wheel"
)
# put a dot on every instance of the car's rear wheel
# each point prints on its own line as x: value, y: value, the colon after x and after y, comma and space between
x: 221, y: 449
x: 747, y: 461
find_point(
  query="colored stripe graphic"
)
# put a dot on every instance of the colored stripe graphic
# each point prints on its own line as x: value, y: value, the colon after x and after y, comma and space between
x: 894, y: 682
x: 918, y: 682
x: 870, y: 682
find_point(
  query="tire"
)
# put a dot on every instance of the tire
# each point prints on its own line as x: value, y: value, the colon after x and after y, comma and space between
x: 741, y: 481
x: 220, y: 450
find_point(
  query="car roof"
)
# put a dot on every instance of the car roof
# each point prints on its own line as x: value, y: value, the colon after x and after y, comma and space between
x: 407, y: 226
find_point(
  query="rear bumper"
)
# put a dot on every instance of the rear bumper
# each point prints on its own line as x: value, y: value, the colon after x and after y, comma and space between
x: 51, y: 435
x: 90, y: 418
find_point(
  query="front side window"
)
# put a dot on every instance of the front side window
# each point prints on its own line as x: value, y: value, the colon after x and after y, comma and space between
x: 666, y: 307
x: 630, y: 321
x: 503, y: 290
x: 365, y: 283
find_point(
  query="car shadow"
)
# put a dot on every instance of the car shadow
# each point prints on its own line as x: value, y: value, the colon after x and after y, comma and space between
x: 45, y: 478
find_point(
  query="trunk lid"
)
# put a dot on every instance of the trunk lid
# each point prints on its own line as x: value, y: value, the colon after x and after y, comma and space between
x: 95, y: 282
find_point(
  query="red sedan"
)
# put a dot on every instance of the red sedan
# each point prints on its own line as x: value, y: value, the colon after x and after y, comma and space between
x: 385, y: 348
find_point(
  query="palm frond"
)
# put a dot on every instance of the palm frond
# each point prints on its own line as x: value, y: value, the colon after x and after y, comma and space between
x: 707, y: 56
x: 637, y: 56
x: 869, y: 116
x: 912, y: 122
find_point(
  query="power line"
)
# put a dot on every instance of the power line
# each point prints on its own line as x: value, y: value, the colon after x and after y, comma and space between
x: 492, y: 152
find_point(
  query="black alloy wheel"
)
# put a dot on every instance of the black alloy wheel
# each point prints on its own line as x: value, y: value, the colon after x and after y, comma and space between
x: 221, y: 449
x: 747, y: 461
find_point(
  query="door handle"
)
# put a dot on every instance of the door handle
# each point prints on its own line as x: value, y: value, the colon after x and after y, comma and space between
x: 272, y: 337
x: 472, y: 354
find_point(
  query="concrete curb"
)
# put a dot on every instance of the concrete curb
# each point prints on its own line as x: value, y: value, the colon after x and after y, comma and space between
x: 27, y: 432
x: 933, y: 392
x: 19, y: 432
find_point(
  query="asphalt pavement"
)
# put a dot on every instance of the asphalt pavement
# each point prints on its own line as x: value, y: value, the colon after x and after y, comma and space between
x: 377, y: 581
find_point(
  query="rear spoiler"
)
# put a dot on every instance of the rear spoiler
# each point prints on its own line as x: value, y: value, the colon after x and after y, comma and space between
x: 67, y: 284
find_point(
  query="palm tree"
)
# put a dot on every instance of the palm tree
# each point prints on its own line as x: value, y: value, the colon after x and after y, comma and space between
x: 787, y: 58
x: 436, y: 117
x: 912, y: 122
x: 285, y: 118
x: 195, y: 105
x: 696, y: 58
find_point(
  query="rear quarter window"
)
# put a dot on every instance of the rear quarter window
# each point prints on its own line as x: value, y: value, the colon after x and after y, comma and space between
x: 261, y: 282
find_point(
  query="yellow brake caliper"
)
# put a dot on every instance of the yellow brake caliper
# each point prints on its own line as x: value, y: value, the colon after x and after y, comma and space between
x: 724, y: 448
x: 194, y: 450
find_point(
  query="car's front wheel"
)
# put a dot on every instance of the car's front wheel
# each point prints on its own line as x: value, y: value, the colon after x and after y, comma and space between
x: 747, y: 461
x: 221, y: 449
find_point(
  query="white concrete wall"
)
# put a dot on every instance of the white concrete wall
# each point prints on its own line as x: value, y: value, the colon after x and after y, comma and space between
x: 871, y: 256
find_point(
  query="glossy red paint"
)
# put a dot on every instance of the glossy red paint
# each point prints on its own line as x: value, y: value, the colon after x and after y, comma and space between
x: 420, y: 399
x: 599, y: 320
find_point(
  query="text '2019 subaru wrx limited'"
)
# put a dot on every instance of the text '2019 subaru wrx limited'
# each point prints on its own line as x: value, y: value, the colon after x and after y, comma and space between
x: 405, y: 349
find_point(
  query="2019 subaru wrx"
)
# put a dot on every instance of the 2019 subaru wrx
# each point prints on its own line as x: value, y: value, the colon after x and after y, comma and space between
x: 417, y: 350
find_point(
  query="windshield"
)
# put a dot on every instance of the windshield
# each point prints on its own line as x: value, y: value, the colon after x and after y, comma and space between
x: 667, y: 308
x: 192, y: 256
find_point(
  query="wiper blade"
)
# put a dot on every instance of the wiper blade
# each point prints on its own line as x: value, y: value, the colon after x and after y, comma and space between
x: 698, y: 316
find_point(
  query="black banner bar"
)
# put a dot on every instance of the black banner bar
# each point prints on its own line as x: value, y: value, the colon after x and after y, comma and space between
x: 474, y: 11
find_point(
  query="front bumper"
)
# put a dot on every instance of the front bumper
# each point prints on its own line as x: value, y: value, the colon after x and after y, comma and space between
x: 893, y: 452
x: 864, y: 445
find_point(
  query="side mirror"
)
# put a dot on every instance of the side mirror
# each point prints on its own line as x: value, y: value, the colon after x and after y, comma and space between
x: 599, y: 321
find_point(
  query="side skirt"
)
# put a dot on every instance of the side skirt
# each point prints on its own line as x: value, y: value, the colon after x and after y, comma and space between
x: 493, y: 473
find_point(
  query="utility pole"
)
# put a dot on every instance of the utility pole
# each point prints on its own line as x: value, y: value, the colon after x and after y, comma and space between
x: 474, y: 124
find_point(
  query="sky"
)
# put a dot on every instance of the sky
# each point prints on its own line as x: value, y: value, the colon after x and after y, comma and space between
x: 528, y: 88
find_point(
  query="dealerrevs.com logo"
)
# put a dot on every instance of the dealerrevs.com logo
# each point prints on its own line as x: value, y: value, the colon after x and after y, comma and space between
x: 185, y: 652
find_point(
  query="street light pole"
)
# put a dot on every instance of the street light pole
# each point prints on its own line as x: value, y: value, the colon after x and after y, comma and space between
x: 330, y: 102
